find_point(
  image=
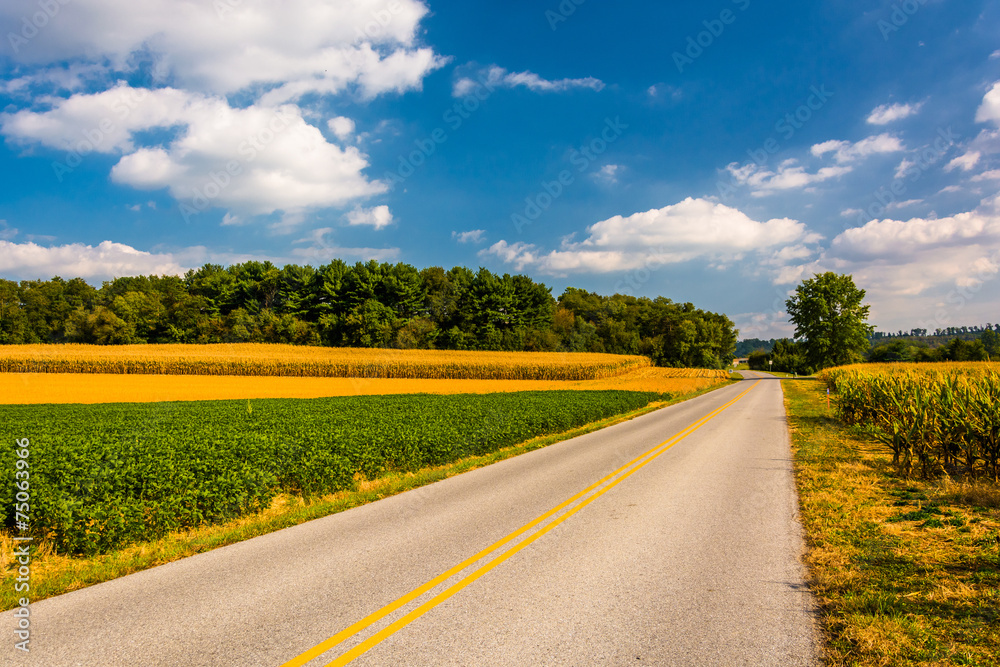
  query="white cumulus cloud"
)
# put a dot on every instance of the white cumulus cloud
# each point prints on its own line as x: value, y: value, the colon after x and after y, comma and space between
x: 7, y: 232
x: 108, y: 259
x: 103, y: 261
x: 253, y: 160
x: 991, y: 175
x: 341, y: 126
x: 377, y: 217
x: 964, y: 162
x: 845, y: 151
x: 230, y: 45
x: 920, y: 271
x: 989, y: 110
x: 498, y: 77
x: 608, y: 174
x: 788, y: 176
x: 888, y: 113
x: 690, y: 229
x: 256, y: 157
x: 471, y: 236
x: 896, y: 205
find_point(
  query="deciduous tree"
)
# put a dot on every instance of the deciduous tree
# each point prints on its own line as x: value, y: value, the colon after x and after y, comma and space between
x: 830, y: 319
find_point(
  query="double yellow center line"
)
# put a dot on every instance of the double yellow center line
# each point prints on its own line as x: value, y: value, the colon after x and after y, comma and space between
x: 628, y: 469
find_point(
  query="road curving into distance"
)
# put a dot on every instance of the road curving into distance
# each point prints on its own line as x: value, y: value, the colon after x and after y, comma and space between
x: 671, y: 539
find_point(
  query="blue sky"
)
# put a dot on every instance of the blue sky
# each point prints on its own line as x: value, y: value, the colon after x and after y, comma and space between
x: 713, y: 152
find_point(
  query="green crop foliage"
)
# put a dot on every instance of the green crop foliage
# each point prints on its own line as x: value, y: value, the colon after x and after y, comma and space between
x: 108, y: 475
x: 937, y: 418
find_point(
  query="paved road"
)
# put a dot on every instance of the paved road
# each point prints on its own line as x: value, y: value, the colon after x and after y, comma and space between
x: 688, y: 556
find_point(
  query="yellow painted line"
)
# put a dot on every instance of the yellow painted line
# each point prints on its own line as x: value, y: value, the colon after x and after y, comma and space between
x: 369, y: 620
x: 392, y: 628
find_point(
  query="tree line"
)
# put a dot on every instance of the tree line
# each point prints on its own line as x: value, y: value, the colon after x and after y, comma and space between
x: 788, y: 356
x: 947, y: 331
x: 983, y: 348
x: 368, y: 304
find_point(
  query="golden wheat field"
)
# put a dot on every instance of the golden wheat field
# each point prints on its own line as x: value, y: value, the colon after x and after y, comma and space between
x: 33, y: 388
x: 321, y: 362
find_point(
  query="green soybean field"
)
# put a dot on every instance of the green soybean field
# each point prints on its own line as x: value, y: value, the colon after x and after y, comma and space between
x: 108, y: 475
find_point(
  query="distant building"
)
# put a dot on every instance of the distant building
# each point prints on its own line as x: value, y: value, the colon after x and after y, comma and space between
x: 743, y: 360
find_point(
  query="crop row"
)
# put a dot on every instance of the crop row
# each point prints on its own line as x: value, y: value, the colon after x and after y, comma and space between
x: 298, y: 361
x: 692, y: 373
x: 937, y: 420
x: 104, y: 476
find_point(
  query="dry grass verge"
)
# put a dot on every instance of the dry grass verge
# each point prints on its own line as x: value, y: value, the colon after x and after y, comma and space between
x: 907, y: 573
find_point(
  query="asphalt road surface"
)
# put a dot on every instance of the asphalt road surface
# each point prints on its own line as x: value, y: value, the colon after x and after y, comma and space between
x: 671, y: 539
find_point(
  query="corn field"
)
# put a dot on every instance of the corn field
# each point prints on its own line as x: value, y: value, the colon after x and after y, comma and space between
x: 300, y: 361
x: 691, y: 373
x: 940, y: 419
